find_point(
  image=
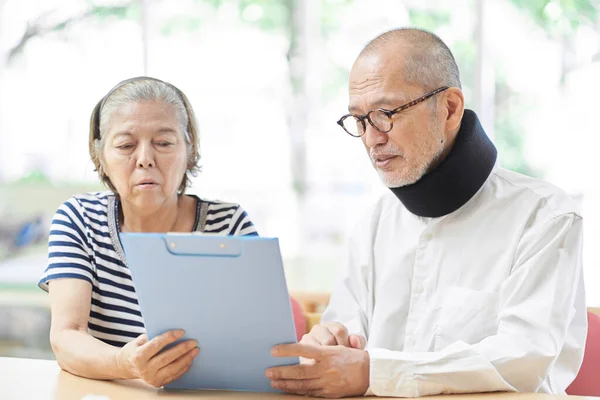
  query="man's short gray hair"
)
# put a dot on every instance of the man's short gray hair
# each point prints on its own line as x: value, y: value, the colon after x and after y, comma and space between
x: 429, y: 62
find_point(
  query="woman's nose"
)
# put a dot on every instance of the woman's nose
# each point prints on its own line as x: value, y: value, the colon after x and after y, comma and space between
x: 145, y: 156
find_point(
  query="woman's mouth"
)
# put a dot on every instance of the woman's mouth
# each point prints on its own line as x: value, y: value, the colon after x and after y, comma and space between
x: 147, y: 185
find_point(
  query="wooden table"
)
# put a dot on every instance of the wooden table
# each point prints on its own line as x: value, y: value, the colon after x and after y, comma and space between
x: 22, y: 379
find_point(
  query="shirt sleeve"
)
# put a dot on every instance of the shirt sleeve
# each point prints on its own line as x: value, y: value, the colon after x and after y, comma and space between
x: 241, y: 225
x: 542, y: 316
x: 69, y: 253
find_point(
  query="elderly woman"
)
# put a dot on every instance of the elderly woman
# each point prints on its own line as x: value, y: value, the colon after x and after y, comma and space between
x: 144, y: 145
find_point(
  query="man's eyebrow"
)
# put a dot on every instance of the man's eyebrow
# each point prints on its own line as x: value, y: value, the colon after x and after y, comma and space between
x: 387, y: 102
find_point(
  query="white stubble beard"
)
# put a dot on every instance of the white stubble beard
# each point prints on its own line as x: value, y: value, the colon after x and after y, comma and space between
x: 408, y: 176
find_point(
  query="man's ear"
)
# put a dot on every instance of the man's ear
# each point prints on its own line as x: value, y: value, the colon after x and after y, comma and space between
x: 454, y: 102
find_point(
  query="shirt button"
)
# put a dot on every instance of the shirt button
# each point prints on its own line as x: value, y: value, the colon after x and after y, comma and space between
x: 410, y: 341
x: 427, y: 237
x: 418, y: 288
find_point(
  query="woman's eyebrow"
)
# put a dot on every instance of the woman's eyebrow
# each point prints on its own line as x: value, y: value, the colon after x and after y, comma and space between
x: 166, y: 129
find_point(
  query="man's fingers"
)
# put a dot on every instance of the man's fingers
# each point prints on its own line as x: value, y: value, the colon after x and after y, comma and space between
x: 321, y: 335
x: 151, y: 348
x: 305, y: 387
x: 357, y: 342
x: 310, y: 340
x: 330, y: 334
x: 339, y: 332
x: 167, y: 357
x: 298, y: 350
x: 297, y: 372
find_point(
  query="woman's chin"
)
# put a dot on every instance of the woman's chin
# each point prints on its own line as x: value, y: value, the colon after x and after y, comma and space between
x: 147, y: 200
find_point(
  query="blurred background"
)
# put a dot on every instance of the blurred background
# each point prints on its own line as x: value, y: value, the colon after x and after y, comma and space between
x: 267, y: 79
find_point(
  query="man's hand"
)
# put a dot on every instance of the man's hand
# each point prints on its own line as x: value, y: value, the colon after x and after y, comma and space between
x: 337, y: 371
x: 140, y: 358
x: 333, y: 334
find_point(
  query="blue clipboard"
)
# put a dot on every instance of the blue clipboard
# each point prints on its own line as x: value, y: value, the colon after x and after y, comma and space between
x: 228, y: 293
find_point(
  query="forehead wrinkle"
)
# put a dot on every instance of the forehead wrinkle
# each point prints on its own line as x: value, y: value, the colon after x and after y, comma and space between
x: 374, y: 83
x: 366, y: 83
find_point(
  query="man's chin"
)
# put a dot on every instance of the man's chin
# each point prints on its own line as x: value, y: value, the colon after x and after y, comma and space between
x: 394, y: 182
x: 394, y: 179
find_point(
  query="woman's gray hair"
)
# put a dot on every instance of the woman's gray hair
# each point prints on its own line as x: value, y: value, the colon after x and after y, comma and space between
x: 144, y: 90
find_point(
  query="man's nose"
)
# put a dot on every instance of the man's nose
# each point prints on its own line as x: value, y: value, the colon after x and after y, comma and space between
x: 372, y: 137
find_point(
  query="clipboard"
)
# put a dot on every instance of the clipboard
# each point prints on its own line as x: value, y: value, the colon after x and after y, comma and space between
x: 227, y: 292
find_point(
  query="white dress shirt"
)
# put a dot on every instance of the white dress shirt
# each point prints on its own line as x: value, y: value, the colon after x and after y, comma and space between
x: 487, y: 298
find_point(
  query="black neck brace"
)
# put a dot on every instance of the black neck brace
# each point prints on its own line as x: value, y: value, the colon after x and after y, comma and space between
x: 457, y: 178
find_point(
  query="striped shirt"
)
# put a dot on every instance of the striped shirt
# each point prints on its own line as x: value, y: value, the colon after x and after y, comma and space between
x: 84, y: 244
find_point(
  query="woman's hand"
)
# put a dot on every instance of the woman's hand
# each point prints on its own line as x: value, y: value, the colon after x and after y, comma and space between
x: 140, y: 358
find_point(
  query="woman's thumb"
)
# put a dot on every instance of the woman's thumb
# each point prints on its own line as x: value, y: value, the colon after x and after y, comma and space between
x: 142, y: 339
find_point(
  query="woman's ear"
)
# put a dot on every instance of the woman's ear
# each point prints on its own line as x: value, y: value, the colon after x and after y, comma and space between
x: 99, y: 162
x: 95, y: 153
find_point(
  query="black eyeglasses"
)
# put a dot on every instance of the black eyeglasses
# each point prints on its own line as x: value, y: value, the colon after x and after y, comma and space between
x: 380, y: 118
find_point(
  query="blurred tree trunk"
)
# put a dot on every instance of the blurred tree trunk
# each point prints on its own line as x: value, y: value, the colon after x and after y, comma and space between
x: 297, y: 106
x: 40, y: 26
x: 596, y: 57
x: 303, y: 32
x: 145, y: 28
x: 485, y: 85
x: 3, y: 59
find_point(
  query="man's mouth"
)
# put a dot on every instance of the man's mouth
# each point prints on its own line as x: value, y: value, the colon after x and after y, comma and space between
x: 382, y: 161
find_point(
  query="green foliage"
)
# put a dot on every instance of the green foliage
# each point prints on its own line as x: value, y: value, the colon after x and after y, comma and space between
x: 560, y: 19
x: 561, y: 16
x: 331, y: 11
x: 185, y: 23
x: 268, y: 15
x: 510, y: 142
x: 509, y: 135
x: 336, y: 77
x: 40, y: 26
x: 465, y: 53
x: 126, y: 11
x: 35, y: 176
x: 428, y: 19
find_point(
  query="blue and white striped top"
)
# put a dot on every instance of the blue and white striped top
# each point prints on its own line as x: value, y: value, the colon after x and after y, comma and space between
x: 84, y: 244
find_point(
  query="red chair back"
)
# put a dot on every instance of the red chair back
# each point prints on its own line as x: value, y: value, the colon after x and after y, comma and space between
x: 587, y: 382
x: 299, y: 319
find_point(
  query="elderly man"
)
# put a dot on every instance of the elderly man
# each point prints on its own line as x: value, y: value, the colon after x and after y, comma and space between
x: 465, y: 277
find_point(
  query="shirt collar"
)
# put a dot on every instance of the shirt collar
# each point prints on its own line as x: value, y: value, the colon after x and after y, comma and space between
x: 456, y: 179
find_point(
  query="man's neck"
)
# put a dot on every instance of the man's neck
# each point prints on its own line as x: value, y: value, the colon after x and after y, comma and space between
x: 449, y: 145
x: 457, y: 177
